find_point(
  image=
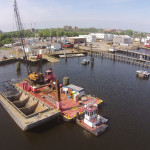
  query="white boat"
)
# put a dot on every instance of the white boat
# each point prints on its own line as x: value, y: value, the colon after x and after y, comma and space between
x: 142, y: 74
x: 93, y: 122
x: 85, y: 62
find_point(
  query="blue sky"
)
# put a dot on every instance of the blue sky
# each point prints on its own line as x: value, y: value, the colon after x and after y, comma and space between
x: 120, y: 14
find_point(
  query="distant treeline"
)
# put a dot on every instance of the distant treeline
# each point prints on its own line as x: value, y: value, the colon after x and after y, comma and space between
x: 6, y: 38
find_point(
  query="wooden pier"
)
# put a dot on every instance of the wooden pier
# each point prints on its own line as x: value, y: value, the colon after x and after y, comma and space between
x: 30, y: 60
x: 135, y: 54
x: 125, y: 58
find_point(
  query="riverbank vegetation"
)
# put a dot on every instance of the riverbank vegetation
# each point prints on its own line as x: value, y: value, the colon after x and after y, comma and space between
x: 6, y: 38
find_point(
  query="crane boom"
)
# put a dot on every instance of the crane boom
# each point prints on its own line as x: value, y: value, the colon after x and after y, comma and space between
x: 20, y: 29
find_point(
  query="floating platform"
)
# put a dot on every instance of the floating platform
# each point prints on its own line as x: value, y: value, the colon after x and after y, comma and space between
x: 99, y: 129
x: 71, y: 55
x: 27, y: 111
x: 69, y: 107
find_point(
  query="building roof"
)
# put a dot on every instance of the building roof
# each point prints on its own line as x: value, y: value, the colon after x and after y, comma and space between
x: 75, y: 88
x: 122, y: 36
x: 76, y: 37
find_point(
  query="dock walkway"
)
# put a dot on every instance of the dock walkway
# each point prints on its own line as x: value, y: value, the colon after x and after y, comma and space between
x: 50, y: 59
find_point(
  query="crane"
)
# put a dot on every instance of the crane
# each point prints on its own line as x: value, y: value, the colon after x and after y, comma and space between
x: 20, y: 30
x: 35, y: 77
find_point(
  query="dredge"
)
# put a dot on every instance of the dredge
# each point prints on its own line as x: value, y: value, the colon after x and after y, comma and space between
x: 69, y: 99
x: 34, y: 101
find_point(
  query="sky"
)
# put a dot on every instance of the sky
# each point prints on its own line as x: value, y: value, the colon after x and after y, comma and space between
x: 118, y: 14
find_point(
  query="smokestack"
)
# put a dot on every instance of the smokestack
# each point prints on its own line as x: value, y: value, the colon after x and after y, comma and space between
x: 58, y: 91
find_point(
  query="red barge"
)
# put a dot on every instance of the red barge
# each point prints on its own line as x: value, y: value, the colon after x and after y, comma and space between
x: 70, y: 99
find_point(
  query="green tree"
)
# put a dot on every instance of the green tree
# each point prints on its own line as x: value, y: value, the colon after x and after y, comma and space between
x: 52, y: 33
x: 59, y: 33
x: 129, y: 32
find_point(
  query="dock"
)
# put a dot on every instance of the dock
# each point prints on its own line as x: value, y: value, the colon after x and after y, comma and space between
x: 124, y: 58
x: 50, y: 58
x: 134, y: 54
x: 30, y: 60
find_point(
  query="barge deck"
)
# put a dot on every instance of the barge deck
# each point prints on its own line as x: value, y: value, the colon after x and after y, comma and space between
x: 69, y: 107
x: 22, y: 117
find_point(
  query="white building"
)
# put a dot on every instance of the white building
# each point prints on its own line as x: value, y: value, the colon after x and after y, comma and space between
x: 31, y: 40
x: 122, y: 39
x: 28, y: 50
x: 56, y: 47
x: 143, y: 40
x: 137, y: 39
x: 89, y: 38
x: 148, y: 37
x: 103, y: 36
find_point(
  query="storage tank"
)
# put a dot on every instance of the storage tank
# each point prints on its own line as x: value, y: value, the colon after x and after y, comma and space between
x: 65, y: 81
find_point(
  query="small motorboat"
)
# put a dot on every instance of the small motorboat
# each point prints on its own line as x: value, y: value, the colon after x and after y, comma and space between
x: 142, y: 74
x: 85, y: 62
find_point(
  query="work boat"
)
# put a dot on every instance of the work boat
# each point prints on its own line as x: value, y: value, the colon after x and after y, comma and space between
x: 93, y: 122
x: 142, y: 74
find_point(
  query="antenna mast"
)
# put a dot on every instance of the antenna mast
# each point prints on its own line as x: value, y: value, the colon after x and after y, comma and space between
x: 20, y: 29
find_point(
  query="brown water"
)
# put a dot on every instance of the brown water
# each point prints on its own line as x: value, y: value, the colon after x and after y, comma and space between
x: 126, y: 105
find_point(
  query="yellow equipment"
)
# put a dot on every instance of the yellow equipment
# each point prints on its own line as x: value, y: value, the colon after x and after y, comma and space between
x: 33, y: 76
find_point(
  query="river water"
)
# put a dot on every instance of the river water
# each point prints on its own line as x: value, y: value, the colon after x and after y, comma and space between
x: 126, y: 105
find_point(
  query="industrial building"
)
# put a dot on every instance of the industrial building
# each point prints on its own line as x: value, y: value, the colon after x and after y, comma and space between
x: 75, y: 28
x: 89, y: 38
x: 109, y: 30
x: 103, y: 36
x: 31, y: 40
x: 75, y: 40
x: 68, y: 28
x: 122, y: 39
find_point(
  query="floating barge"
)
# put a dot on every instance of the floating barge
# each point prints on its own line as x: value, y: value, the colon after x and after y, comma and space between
x: 26, y: 110
x: 35, y: 103
x: 69, y: 99
x: 71, y: 55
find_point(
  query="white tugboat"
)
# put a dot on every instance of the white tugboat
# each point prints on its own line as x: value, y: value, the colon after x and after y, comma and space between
x: 142, y: 74
x: 93, y: 122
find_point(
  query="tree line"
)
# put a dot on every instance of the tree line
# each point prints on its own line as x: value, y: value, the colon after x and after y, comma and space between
x: 6, y: 38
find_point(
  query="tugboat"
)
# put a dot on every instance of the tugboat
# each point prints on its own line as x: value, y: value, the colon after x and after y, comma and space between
x: 85, y: 62
x: 142, y: 74
x: 93, y: 122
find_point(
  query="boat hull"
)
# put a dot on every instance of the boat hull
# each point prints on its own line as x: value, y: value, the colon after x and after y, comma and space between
x: 95, y: 131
